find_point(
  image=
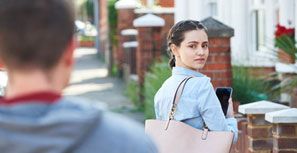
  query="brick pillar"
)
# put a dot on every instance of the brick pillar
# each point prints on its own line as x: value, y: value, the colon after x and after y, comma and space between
x: 129, y: 38
x: 125, y: 19
x: 287, y: 72
x: 129, y: 65
x: 149, y: 42
x: 218, y: 65
x: 284, y: 130
x: 259, y: 131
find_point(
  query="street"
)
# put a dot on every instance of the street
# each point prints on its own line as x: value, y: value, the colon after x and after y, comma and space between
x: 89, y: 79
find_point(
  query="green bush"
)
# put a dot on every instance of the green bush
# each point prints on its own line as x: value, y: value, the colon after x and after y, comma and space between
x: 132, y: 91
x: 114, y: 70
x: 86, y: 38
x: 154, y: 79
x: 248, y: 88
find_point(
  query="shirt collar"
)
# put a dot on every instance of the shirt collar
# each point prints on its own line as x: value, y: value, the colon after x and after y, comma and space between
x: 186, y: 72
x: 46, y: 97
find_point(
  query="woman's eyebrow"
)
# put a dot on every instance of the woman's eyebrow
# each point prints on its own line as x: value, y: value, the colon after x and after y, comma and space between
x: 196, y: 42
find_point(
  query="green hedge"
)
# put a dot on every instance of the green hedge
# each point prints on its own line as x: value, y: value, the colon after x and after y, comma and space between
x: 154, y: 79
x: 248, y: 88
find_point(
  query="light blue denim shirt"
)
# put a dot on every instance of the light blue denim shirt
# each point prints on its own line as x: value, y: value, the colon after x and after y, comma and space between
x: 198, y: 101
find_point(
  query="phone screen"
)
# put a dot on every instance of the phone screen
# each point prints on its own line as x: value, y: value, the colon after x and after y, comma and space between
x: 224, y: 93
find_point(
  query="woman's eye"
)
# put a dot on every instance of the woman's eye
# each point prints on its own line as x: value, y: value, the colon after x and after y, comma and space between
x: 204, y: 46
x: 192, y: 46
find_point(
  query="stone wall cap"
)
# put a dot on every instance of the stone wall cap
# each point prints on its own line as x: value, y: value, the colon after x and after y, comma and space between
x: 285, y: 68
x: 260, y: 107
x: 126, y: 4
x: 282, y: 116
x: 131, y: 44
x: 127, y: 32
x: 134, y: 77
x: 217, y: 29
x: 155, y: 10
x: 149, y: 20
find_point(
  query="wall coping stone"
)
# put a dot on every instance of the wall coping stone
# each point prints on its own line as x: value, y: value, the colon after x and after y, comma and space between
x: 260, y: 107
x: 126, y: 4
x: 217, y: 29
x: 131, y: 44
x: 282, y: 116
x: 127, y: 32
x: 134, y: 77
x: 155, y: 10
x: 149, y: 20
x: 285, y: 68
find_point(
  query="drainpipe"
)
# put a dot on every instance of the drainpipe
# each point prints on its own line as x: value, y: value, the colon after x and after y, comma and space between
x: 97, y: 24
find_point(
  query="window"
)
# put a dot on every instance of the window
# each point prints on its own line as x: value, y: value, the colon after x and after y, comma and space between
x: 258, y: 21
x: 213, y: 8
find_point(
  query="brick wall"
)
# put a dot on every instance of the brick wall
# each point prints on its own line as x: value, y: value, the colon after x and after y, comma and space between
x: 125, y: 21
x: 261, y: 71
x: 162, y: 3
x: 285, y: 138
x: 218, y: 65
x: 165, y: 3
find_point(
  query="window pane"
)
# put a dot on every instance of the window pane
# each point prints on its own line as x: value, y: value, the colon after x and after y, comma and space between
x: 259, y: 29
x: 213, y: 9
x: 258, y: 2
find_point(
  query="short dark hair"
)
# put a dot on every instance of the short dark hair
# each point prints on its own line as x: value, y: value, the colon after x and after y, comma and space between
x: 176, y: 35
x: 34, y: 33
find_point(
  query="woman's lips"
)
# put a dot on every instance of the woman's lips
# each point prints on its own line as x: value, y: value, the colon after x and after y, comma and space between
x: 200, y: 60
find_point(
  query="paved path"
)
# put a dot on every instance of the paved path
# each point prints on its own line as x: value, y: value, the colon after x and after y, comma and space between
x: 89, y: 80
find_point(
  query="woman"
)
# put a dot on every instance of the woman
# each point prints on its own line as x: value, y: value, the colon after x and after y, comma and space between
x: 188, y: 45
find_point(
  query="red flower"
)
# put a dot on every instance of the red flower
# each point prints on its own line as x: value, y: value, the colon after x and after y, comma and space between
x: 282, y: 30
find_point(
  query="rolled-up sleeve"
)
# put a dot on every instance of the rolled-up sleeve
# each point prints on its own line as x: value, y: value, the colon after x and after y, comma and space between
x: 211, y: 111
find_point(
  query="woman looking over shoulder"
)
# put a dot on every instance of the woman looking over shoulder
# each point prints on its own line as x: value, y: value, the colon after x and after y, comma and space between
x: 188, y: 46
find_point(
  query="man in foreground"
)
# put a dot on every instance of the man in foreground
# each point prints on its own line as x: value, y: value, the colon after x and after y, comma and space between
x: 36, y: 47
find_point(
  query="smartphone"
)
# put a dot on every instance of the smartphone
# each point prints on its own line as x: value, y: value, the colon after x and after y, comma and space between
x: 223, y: 94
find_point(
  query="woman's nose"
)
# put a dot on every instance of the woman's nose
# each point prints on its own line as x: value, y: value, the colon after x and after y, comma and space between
x: 200, y: 51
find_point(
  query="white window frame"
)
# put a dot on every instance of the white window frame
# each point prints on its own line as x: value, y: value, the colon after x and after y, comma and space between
x: 209, y: 8
x: 252, y: 16
x: 257, y: 57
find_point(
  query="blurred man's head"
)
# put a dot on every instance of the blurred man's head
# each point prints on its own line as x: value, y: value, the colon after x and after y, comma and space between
x: 34, y: 34
x: 36, y: 44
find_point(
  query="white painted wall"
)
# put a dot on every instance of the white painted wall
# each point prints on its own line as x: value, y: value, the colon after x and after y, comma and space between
x: 287, y: 8
x: 191, y: 9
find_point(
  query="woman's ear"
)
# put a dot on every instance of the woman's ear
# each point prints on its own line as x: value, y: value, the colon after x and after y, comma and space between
x: 174, y: 50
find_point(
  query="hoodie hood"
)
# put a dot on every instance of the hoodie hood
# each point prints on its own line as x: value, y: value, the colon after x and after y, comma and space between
x: 44, y: 128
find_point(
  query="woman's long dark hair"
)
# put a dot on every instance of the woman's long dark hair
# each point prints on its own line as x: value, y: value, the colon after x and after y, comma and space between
x: 176, y: 35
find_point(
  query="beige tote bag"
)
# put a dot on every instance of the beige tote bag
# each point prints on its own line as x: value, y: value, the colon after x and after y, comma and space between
x: 173, y: 136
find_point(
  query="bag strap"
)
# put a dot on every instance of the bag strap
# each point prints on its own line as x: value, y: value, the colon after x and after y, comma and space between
x: 177, y: 95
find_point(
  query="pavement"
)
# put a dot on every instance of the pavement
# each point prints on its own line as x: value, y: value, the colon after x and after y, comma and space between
x: 90, y: 80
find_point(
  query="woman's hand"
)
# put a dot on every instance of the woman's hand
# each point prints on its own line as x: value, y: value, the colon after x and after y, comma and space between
x: 230, y: 112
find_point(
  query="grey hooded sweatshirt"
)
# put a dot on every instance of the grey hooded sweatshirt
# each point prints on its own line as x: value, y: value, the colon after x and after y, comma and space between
x: 68, y: 126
